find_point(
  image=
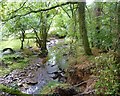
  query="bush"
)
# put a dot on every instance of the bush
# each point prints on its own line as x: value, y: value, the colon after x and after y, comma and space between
x: 107, y: 71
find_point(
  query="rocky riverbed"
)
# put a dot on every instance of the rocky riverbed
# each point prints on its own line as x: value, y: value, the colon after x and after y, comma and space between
x: 33, y: 78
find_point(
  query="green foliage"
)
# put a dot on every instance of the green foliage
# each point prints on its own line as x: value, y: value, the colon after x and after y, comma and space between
x: 13, y: 62
x: 58, y: 31
x: 106, y: 69
x: 106, y: 37
x: 15, y: 43
x: 49, y: 88
x: 58, y: 55
x: 11, y: 91
x: 59, y: 26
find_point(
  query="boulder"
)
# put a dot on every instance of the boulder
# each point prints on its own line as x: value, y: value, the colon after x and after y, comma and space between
x: 6, y: 51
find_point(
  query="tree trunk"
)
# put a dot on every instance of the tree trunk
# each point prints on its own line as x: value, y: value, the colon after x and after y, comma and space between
x: 98, y: 12
x: 22, y: 39
x: 82, y: 27
x: 44, y: 33
x: 38, y: 40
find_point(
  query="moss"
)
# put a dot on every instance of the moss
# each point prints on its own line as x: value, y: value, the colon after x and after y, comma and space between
x: 49, y: 88
x: 12, y: 64
x: 12, y: 91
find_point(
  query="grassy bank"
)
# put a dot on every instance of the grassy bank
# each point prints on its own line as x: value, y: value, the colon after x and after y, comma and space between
x: 15, y: 43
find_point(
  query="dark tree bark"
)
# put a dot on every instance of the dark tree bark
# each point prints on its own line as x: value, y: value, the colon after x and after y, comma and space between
x: 22, y: 38
x: 82, y: 27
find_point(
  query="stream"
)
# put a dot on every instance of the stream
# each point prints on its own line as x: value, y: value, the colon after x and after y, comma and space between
x: 32, y: 79
x: 49, y: 69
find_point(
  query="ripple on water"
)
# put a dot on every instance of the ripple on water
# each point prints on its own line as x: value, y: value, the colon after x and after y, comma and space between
x: 45, y: 74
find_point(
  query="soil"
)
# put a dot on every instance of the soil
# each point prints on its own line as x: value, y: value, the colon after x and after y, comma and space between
x: 81, y: 79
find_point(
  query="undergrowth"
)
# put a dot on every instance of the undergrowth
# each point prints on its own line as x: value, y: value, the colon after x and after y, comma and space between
x: 50, y: 87
x: 12, y: 91
x: 12, y: 62
x: 107, y: 71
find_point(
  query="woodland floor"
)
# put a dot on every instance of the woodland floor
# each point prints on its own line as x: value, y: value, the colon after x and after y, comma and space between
x: 78, y: 76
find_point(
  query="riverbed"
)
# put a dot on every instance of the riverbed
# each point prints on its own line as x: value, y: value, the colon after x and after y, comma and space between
x: 32, y: 79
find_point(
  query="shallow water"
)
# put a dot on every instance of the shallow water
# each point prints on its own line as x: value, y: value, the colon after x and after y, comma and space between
x: 46, y: 73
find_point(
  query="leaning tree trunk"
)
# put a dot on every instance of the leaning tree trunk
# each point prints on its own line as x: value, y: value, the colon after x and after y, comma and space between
x: 82, y: 27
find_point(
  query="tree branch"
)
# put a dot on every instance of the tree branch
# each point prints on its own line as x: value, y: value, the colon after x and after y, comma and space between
x: 65, y: 11
x: 51, y: 22
x: 18, y: 8
x: 39, y: 10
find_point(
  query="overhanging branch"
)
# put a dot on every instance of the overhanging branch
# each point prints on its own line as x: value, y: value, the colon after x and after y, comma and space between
x: 39, y: 10
x: 18, y: 8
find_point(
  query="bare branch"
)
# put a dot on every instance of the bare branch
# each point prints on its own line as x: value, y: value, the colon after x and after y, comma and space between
x: 66, y: 12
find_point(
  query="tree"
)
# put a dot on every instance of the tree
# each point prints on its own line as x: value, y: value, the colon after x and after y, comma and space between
x: 17, y: 28
x: 98, y: 12
x: 21, y: 28
x: 82, y: 27
x: 31, y: 9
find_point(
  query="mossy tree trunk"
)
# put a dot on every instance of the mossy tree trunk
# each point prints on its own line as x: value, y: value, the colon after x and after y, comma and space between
x: 44, y: 38
x: 43, y: 34
x: 82, y: 27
